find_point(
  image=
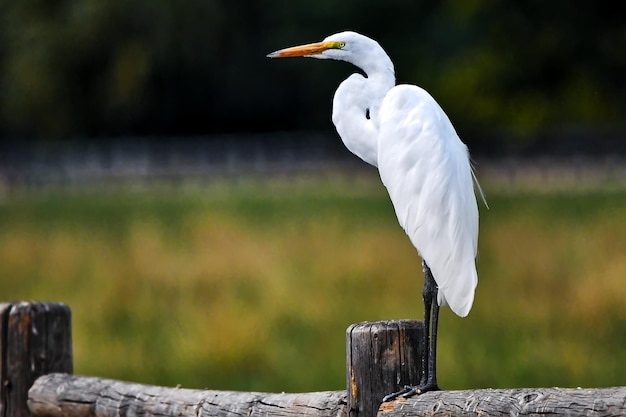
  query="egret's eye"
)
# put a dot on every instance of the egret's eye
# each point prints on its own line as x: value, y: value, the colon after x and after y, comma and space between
x: 341, y: 45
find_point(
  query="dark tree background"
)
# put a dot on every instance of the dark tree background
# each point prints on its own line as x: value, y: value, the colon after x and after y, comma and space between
x: 93, y: 68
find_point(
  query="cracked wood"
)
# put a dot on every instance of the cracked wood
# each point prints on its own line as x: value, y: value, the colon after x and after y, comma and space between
x: 62, y: 395
x: 542, y: 402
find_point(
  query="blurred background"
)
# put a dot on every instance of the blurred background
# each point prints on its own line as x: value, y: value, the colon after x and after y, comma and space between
x: 191, y: 202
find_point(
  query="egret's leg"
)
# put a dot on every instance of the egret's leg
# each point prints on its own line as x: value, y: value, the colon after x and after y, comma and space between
x: 428, y: 381
x: 427, y: 295
x: 431, y: 379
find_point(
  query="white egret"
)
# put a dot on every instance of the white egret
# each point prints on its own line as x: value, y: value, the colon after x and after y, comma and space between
x: 425, y: 168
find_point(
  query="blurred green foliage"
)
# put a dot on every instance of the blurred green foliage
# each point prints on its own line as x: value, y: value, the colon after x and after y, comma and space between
x: 250, y: 285
x: 91, y: 68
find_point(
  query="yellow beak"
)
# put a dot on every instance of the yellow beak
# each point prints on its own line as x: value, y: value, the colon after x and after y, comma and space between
x: 305, y: 50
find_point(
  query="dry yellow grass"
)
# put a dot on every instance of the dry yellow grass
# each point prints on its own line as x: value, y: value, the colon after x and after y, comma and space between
x: 251, y: 286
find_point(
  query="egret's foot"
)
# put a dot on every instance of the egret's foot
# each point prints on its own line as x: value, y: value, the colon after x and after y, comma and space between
x: 409, y: 391
x: 394, y: 395
x: 420, y: 390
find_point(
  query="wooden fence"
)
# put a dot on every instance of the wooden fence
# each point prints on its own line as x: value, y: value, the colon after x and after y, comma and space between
x: 36, y: 380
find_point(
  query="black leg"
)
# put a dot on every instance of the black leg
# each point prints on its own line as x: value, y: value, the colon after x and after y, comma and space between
x: 428, y: 381
x: 427, y: 295
x: 430, y: 372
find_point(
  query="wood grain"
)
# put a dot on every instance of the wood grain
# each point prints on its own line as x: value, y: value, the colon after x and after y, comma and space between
x: 35, y: 339
x: 61, y: 395
x: 381, y: 357
x: 512, y: 402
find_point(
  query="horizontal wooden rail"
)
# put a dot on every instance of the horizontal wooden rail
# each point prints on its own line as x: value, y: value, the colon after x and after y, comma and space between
x: 62, y: 395
x: 539, y: 402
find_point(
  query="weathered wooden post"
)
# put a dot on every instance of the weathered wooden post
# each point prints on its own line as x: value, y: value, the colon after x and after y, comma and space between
x: 382, y: 357
x: 35, y: 339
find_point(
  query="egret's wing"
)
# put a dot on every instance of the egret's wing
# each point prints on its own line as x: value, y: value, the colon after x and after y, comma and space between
x: 427, y: 171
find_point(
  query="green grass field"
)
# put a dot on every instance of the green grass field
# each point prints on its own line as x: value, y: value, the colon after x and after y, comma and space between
x: 250, y: 285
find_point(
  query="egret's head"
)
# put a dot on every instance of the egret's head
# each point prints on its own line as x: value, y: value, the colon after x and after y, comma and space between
x: 342, y: 46
x: 347, y: 46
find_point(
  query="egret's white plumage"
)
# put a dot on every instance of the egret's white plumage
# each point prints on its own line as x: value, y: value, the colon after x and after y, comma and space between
x: 427, y: 172
x: 421, y: 160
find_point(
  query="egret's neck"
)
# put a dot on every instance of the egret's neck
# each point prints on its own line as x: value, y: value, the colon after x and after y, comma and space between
x: 377, y: 85
x: 379, y: 66
x: 356, y: 107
